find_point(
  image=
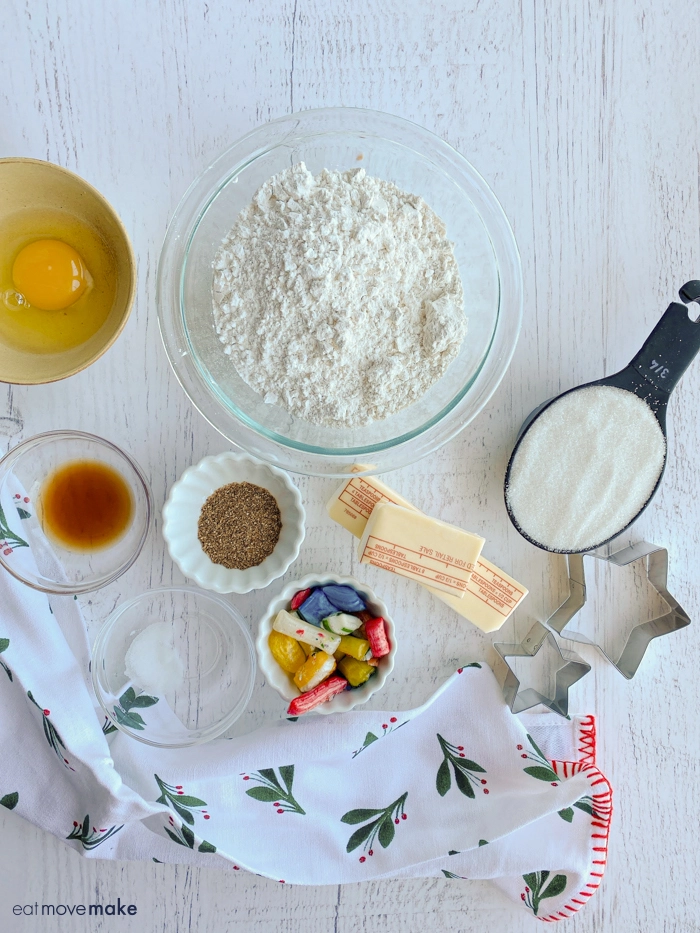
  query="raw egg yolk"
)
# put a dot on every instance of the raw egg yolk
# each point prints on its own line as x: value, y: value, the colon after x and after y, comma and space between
x: 50, y: 274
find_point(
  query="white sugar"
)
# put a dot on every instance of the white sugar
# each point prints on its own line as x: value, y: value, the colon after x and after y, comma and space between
x: 152, y: 662
x: 585, y: 468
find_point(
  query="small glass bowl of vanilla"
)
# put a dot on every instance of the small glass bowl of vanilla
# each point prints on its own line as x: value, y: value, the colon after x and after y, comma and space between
x: 75, y: 511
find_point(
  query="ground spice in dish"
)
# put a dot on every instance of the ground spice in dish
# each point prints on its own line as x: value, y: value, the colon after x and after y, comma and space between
x: 239, y: 525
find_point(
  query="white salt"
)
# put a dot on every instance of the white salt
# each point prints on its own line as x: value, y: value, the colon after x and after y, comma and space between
x: 152, y: 661
x: 585, y: 468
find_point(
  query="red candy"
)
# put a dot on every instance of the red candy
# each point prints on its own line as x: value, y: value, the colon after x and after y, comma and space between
x: 299, y: 598
x: 325, y: 691
x: 376, y: 636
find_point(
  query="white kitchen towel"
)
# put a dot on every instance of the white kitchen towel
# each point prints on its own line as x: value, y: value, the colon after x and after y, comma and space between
x: 458, y: 788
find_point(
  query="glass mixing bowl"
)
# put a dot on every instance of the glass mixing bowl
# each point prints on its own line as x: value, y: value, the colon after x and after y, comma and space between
x: 215, y: 667
x: 30, y: 553
x: 417, y: 161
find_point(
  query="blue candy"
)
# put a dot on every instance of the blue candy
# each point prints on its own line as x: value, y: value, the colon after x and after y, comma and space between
x: 344, y: 598
x: 316, y: 607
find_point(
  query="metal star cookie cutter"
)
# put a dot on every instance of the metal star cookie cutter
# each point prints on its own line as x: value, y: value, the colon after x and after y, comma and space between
x: 571, y: 669
x: 656, y: 568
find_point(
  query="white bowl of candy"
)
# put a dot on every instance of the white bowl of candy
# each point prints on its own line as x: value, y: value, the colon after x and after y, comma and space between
x: 326, y: 643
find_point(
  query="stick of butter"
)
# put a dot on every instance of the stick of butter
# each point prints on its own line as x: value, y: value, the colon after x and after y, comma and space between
x: 352, y: 504
x: 413, y: 545
x: 491, y: 594
x: 490, y: 597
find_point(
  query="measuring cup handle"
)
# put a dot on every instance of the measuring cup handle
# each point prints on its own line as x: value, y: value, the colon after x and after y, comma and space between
x: 669, y: 349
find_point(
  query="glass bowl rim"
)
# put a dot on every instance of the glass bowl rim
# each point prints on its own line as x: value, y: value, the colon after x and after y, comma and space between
x: 97, y: 652
x: 74, y: 589
x: 238, y: 428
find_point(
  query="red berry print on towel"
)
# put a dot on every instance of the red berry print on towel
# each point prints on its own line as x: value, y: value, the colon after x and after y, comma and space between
x: 4, y: 645
x: 387, y: 728
x: 8, y: 539
x: 21, y: 511
x: 51, y: 733
x: 379, y: 824
x: 542, y: 768
x: 273, y: 790
x: 538, y: 887
x: 182, y: 803
x: 543, y: 771
x: 91, y: 839
x: 108, y: 726
x: 465, y: 666
x: 464, y: 770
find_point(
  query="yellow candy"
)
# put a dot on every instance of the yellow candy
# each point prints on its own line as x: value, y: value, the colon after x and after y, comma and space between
x: 307, y: 649
x: 286, y: 652
x: 355, y: 672
x: 316, y: 669
x: 339, y: 654
x: 356, y: 647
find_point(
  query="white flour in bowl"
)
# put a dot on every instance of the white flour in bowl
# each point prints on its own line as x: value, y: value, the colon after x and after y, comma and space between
x: 338, y: 296
x: 585, y: 468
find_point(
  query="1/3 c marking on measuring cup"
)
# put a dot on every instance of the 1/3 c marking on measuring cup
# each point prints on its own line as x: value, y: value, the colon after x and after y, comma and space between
x: 659, y: 368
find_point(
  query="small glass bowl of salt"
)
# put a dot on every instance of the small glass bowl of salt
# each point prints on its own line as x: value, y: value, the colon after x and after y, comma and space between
x: 173, y: 667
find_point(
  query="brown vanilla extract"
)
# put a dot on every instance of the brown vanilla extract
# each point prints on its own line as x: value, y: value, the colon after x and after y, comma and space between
x: 85, y: 505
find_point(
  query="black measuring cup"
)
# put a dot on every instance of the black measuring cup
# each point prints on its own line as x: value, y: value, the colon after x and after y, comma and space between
x: 652, y: 375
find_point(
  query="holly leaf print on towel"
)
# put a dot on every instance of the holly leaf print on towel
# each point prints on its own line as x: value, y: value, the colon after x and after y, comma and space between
x: 274, y: 790
x: 91, y: 839
x: 464, y: 770
x: 184, y: 836
x: 387, y: 728
x: 174, y: 796
x: 379, y: 824
x: 585, y: 804
x: 542, y: 768
x: 8, y: 539
x: 51, y: 732
x: 543, y: 771
x: 9, y: 800
x: 4, y: 645
x: 538, y: 887
x: 124, y: 712
x: 369, y: 738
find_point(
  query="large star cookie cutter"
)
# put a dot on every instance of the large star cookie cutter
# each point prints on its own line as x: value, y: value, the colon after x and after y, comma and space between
x: 655, y: 565
x: 570, y: 668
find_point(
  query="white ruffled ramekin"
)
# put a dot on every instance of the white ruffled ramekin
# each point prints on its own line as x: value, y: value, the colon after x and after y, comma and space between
x: 184, y: 504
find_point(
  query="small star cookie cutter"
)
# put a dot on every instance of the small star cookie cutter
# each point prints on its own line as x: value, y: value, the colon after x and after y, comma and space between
x: 655, y: 564
x: 571, y: 669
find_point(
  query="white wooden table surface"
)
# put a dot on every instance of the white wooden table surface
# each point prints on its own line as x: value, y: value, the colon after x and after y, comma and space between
x: 584, y: 118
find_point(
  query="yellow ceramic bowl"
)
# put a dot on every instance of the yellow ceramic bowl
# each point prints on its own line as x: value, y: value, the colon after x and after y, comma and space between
x: 27, y: 184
